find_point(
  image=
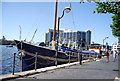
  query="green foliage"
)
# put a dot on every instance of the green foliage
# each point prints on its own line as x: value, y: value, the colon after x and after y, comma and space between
x: 108, y: 7
x: 114, y: 8
x: 116, y: 25
x: 119, y: 39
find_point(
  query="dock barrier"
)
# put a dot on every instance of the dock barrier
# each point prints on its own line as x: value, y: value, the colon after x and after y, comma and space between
x: 31, y: 72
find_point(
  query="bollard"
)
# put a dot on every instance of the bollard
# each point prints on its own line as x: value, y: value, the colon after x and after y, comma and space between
x: 20, y: 61
x: 56, y: 62
x: 69, y: 58
x: 80, y: 59
x: 36, y: 62
x: 95, y: 56
x: 14, y: 64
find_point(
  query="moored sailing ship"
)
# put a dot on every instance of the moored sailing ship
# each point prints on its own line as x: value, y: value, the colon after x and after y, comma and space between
x: 45, y: 56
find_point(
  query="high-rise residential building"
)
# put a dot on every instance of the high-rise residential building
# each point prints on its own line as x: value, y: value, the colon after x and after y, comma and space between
x: 78, y: 38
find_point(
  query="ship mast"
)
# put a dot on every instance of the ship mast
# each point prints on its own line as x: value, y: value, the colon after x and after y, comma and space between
x: 55, y: 19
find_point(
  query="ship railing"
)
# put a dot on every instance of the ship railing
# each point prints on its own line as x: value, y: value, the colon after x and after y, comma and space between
x: 89, y: 55
x: 46, y: 63
x: 29, y: 58
x: 29, y: 65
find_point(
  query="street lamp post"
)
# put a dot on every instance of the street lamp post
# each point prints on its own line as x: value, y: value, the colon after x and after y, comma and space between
x: 67, y: 10
x: 104, y: 40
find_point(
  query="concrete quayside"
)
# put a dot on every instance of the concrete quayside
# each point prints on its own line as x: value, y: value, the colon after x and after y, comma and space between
x: 31, y: 72
x: 90, y: 69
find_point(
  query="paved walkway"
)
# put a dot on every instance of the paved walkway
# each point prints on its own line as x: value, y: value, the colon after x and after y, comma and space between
x: 91, y: 70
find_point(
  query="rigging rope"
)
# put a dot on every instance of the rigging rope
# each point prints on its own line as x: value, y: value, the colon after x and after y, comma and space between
x: 29, y: 58
x: 72, y: 15
x: 29, y: 65
x: 33, y: 25
x: 46, y: 63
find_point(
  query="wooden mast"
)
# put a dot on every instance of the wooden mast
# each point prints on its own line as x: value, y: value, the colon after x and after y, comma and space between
x: 55, y: 19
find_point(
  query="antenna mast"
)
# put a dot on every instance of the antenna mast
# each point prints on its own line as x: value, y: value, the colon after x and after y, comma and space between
x: 20, y: 33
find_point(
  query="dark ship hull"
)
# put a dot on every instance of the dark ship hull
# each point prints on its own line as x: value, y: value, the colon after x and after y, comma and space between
x: 38, y: 57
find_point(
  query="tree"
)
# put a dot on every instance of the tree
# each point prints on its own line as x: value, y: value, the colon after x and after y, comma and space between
x: 108, y: 7
x: 116, y: 26
x: 114, y: 8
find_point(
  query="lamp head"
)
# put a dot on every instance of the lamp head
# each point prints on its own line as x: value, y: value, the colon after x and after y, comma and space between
x: 67, y: 9
x: 106, y: 37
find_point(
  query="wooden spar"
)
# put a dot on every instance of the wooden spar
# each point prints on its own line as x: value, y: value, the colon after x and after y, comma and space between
x: 55, y: 19
x: 69, y: 38
x: 33, y: 35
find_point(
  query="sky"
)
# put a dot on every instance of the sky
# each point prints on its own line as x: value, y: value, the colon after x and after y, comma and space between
x: 40, y: 15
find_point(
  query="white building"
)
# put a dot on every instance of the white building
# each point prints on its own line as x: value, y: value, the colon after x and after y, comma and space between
x: 115, y: 46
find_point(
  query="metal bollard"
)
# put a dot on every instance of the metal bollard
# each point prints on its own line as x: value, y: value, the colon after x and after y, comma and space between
x: 20, y: 61
x: 56, y: 62
x: 95, y: 56
x: 69, y: 58
x: 14, y: 64
x: 36, y: 62
x: 80, y: 59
